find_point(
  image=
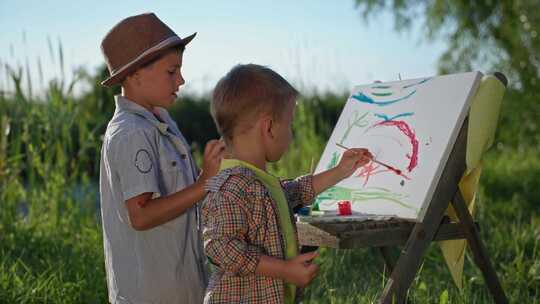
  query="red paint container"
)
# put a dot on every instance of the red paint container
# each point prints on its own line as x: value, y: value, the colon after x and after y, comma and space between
x: 344, y: 208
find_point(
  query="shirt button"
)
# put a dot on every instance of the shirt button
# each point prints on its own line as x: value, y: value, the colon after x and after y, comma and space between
x: 173, y: 163
x: 183, y: 156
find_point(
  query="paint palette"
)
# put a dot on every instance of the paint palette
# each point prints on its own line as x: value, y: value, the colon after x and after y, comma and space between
x: 410, y: 125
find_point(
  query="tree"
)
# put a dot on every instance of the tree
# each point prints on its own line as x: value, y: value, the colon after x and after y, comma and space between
x: 481, y: 34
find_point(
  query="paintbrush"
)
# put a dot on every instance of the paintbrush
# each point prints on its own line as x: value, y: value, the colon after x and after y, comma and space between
x: 397, y: 171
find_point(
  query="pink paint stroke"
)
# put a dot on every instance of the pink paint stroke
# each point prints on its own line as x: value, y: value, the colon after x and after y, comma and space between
x: 370, y: 169
x: 405, y: 129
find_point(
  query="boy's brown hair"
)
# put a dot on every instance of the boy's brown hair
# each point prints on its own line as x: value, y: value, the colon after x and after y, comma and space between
x: 245, y: 92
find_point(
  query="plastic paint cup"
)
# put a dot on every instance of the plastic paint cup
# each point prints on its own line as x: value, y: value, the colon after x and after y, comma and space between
x: 344, y: 208
x: 304, y: 211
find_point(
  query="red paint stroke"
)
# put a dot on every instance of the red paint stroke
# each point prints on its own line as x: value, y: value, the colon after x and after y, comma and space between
x: 405, y: 129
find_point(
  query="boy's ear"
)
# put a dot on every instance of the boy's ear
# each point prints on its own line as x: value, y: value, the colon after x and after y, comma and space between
x: 270, y: 128
x: 133, y: 78
x: 267, y: 124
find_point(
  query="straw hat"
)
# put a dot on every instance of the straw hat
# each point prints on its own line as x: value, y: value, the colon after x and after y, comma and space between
x: 135, y: 41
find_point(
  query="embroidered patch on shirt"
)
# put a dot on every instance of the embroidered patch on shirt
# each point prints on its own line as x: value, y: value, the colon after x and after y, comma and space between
x: 143, y: 161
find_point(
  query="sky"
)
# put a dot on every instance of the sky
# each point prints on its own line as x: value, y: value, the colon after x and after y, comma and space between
x: 317, y: 45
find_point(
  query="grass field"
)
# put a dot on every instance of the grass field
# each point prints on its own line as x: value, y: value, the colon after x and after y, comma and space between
x: 50, y: 235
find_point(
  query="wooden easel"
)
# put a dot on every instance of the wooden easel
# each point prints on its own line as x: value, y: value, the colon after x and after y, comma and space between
x: 414, y: 237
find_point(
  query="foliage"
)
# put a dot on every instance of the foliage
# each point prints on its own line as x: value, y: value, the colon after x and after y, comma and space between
x: 50, y: 231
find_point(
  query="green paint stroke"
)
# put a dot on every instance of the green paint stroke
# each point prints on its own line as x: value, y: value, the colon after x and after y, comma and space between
x: 339, y: 193
x: 381, y: 87
x: 381, y: 94
x: 333, y: 161
x: 357, y: 121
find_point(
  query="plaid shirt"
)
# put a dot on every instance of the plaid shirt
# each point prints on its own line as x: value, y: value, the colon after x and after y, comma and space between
x: 241, y: 223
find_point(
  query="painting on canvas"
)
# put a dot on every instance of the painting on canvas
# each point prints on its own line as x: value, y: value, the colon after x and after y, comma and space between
x: 410, y: 126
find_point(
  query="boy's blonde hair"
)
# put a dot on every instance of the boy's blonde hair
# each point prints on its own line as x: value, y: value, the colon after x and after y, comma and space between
x: 245, y: 92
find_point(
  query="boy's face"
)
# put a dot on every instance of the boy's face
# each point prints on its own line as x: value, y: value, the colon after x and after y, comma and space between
x: 281, y: 130
x: 159, y: 82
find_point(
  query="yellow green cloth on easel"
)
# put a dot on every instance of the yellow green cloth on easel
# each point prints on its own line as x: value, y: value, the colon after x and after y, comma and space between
x: 483, y: 118
x: 273, y: 185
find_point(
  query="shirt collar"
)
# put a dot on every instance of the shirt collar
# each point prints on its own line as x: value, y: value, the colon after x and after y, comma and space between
x: 265, y: 177
x: 124, y: 104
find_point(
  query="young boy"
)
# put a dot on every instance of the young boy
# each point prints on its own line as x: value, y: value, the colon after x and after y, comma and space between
x: 248, y: 233
x: 149, y: 184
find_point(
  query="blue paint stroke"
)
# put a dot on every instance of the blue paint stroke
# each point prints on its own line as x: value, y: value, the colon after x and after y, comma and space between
x: 415, y: 84
x: 361, y: 97
x: 386, y: 118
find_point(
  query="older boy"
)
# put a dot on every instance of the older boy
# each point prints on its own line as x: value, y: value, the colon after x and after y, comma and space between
x: 149, y: 183
x: 249, y: 233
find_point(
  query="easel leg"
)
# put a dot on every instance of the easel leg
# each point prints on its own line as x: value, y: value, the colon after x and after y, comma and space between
x: 480, y: 255
x: 423, y: 233
x: 389, y: 262
x: 408, y: 264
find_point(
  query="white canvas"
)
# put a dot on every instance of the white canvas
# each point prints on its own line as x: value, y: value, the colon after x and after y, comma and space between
x: 410, y: 125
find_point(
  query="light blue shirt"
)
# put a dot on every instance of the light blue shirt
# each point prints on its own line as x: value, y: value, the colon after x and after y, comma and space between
x: 165, y: 264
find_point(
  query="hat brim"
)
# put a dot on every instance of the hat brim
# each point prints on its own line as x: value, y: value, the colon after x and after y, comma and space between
x: 146, y: 57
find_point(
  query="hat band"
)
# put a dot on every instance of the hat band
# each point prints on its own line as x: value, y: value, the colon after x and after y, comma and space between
x: 147, y: 52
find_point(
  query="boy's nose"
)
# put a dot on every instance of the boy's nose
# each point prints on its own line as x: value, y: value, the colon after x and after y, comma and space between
x: 180, y: 81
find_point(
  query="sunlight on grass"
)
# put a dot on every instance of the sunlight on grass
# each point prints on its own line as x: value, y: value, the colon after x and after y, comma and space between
x: 50, y: 235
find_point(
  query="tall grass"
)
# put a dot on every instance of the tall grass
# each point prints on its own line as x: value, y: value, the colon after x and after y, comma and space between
x: 50, y: 235
x: 50, y: 240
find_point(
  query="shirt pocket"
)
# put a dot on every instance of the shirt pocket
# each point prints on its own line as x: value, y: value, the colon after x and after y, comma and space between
x: 170, y: 173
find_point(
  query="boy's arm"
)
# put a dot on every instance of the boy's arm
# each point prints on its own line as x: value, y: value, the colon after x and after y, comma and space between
x: 351, y: 160
x: 298, y: 271
x: 327, y: 179
x: 299, y: 191
x: 146, y: 213
x: 302, y: 190
x: 136, y: 162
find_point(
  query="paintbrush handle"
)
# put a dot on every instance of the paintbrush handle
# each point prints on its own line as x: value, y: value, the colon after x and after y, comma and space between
x: 378, y: 162
x: 375, y: 161
x: 397, y: 171
x: 342, y: 146
x: 372, y: 159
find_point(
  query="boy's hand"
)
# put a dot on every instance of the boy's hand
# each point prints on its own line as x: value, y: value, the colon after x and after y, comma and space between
x: 300, y: 271
x: 353, y: 159
x: 213, y: 153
